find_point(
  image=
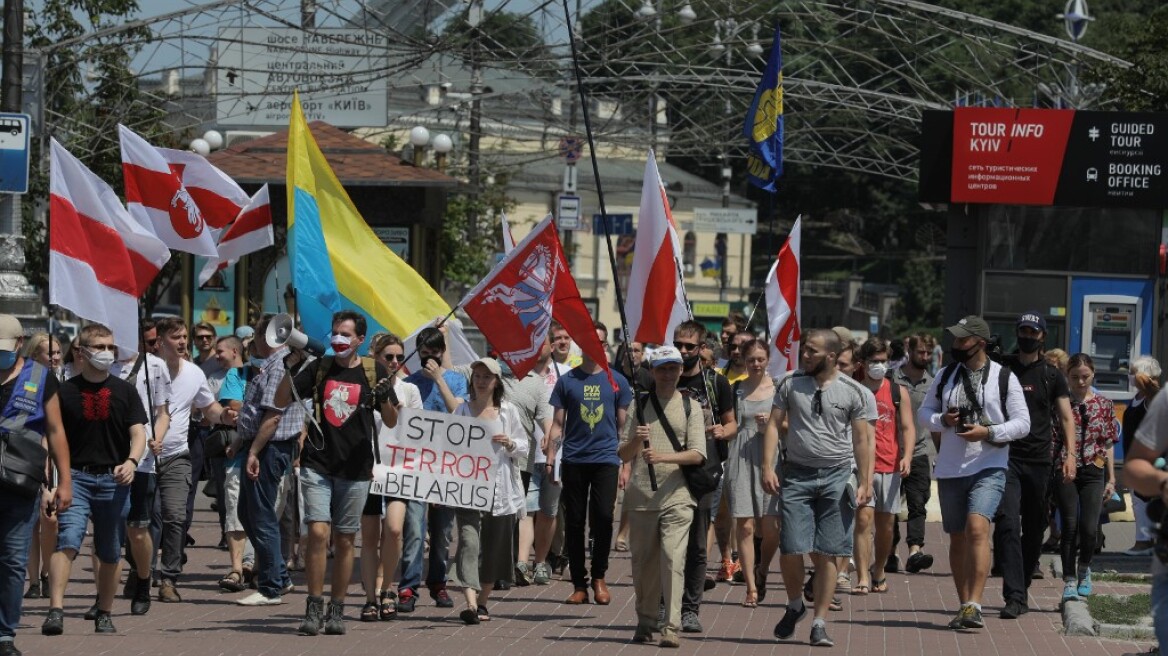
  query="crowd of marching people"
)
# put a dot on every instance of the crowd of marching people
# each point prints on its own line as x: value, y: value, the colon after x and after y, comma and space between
x: 715, y: 462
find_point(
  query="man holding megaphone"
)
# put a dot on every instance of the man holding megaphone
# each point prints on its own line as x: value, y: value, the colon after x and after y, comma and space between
x: 337, y: 461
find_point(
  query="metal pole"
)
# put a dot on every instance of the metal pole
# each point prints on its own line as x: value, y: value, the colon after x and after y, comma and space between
x: 16, y: 295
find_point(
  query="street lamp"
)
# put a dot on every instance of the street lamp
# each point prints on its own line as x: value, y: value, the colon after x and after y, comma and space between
x: 1073, y: 93
x: 419, y: 137
x: 442, y: 144
x: 211, y: 140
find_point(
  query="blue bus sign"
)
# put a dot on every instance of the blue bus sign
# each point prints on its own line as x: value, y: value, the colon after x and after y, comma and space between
x: 621, y: 224
x: 14, y: 155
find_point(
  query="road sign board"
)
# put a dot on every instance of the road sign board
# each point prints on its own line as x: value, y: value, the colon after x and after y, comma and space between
x: 571, y: 148
x: 722, y: 219
x: 14, y: 141
x: 568, y: 212
x: 619, y: 224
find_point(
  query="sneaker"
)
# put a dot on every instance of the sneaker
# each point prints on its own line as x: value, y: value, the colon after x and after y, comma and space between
x: 819, y: 637
x: 1141, y: 548
x: 971, y: 618
x: 669, y: 641
x: 1085, y: 582
x: 690, y: 622
x: 54, y: 622
x: 8, y: 648
x: 917, y: 562
x: 643, y: 635
x: 442, y: 598
x: 406, y: 600
x: 502, y: 584
x: 91, y: 614
x: 45, y: 591
x: 892, y: 566
x: 168, y: 594
x: 786, y: 626
x: 313, y: 616
x: 1014, y: 610
x: 955, y: 623
x: 288, y: 589
x: 543, y: 574
x: 335, y: 622
x: 104, y: 623
x: 258, y: 599
x: 725, y: 572
x: 523, y: 576
x: 140, y: 603
x: 1037, y: 574
x: 710, y: 584
x: 1070, y: 591
x: 34, y: 590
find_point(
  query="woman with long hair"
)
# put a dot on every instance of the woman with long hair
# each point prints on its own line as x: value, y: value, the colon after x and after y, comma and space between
x: 1080, y: 500
x: 486, y: 547
x: 1145, y: 375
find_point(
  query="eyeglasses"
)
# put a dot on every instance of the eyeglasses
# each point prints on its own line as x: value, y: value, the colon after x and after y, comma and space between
x: 151, y: 342
x: 395, y: 357
x: 731, y: 347
x: 101, y: 347
x: 685, y: 346
x: 204, y: 336
x: 817, y: 402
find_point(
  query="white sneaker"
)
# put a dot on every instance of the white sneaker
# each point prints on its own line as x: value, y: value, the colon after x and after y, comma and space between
x: 258, y: 599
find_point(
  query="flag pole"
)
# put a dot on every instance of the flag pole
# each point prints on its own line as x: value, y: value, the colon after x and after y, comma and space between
x: 620, y: 300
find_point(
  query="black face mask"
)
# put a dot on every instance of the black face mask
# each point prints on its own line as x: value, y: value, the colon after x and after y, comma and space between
x: 1029, y: 344
x: 689, y: 361
x: 962, y: 355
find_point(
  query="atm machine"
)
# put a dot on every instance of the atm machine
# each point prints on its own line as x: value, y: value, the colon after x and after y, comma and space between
x: 1112, y: 337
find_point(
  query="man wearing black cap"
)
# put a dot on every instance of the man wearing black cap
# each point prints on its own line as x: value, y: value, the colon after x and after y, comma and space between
x: 978, y: 408
x: 1021, y: 518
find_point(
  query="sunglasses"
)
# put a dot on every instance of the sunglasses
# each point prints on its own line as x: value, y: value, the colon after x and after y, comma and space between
x: 102, y: 347
x: 202, y: 337
x: 684, y: 346
x: 395, y: 357
x: 817, y: 403
x: 151, y: 342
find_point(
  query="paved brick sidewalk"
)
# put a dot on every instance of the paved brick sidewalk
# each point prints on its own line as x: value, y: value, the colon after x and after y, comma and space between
x: 910, y: 619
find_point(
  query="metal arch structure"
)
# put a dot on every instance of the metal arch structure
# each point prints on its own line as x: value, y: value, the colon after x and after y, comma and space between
x: 857, y: 73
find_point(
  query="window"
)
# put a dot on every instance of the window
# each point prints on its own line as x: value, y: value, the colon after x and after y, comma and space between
x: 689, y: 253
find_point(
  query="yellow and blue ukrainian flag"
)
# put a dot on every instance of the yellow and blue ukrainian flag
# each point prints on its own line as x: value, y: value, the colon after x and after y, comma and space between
x: 764, y: 124
x: 338, y: 263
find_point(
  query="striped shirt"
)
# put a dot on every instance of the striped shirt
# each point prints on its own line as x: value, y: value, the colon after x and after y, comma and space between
x: 260, y: 397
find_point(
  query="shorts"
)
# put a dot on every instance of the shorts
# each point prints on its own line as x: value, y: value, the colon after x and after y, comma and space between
x: 374, y: 506
x: 233, y: 476
x: 141, y: 499
x: 543, y: 495
x: 333, y: 500
x: 885, y: 493
x: 819, y: 509
x: 100, y: 498
x: 976, y: 494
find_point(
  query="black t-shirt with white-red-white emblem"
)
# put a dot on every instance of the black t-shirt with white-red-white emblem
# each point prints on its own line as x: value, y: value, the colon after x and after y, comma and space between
x: 97, y: 418
x: 345, y: 418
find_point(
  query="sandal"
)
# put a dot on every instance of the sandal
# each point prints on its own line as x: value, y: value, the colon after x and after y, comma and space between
x: 469, y: 617
x: 880, y: 586
x: 370, y: 611
x: 861, y: 590
x: 751, y: 600
x: 483, y: 615
x: 621, y: 545
x: 836, y: 604
x: 843, y: 583
x: 388, y: 605
x: 233, y: 582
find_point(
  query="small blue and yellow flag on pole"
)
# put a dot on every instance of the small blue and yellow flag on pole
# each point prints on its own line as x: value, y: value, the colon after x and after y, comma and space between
x: 338, y: 263
x: 764, y: 124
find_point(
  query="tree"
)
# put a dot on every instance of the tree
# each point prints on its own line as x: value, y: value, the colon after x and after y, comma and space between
x: 468, y: 254
x: 1143, y: 41
x: 922, y: 299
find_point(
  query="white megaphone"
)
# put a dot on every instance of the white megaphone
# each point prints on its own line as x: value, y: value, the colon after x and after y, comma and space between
x: 281, y: 330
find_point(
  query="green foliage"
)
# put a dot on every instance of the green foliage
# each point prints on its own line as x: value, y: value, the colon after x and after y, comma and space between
x: 1143, y: 41
x: 505, y: 39
x: 471, y: 234
x: 1115, y: 609
x: 922, y: 299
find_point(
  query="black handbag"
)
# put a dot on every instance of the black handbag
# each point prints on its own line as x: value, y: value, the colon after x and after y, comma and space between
x: 22, y: 456
x: 700, y: 479
x: 215, y: 446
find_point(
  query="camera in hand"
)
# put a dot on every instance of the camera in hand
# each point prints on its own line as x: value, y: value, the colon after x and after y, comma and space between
x: 426, y: 360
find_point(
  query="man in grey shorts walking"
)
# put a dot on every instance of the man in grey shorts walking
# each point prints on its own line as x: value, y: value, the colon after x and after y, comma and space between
x: 820, y: 455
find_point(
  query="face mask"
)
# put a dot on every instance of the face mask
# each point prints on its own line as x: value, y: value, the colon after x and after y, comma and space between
x: 7, y: 360
x: 102, y: 360
x: 1028, y: 344
x: 257, y: 361
x: 961, y: 355
x: 689, y: 361
x: 341, y: 345
x: 877, y: 370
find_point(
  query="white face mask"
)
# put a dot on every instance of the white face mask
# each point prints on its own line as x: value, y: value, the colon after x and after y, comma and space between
x: 102, y: 360
x: 342, y: 345
x: 877, y: 370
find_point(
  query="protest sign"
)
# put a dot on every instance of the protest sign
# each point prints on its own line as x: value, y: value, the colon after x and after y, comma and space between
x: 437, y: 458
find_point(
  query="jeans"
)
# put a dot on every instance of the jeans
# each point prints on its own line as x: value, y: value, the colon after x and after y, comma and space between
x: 976, y: 494
x: 174, y: 484
x: 195, y: 439
x: 17, y: 516
x: 696, y: 558
x: 1079, y: 504
x: 218, y: 473
x: 96, y: 497
x: 1160, y: 607
x: 257, y: 513
x: 1019, y: 525
x: 819, y: 510
x: 441, y: 526
x: 589, y: 497
x: 915, y: 489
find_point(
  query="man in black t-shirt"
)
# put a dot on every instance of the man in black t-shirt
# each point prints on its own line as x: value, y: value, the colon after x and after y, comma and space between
x: 697, y: 383
x: 1021, y: 518
x: 337, y: 460
x: 104, y: 423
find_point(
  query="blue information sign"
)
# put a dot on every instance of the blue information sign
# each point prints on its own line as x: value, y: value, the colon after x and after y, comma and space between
x: 14, y: 140
x: 621, y: 224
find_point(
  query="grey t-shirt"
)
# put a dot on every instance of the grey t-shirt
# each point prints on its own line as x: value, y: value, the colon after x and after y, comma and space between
x: 1153, y: 433
x: 916, y: 393
x: 821, y: 439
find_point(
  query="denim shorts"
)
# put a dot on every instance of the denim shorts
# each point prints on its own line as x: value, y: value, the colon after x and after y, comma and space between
x: 819, y: 510
x: 334, y: 500
x: 141, y: 499
x: 542, y: 494
x: 100, y: 498
x: 976, y: 494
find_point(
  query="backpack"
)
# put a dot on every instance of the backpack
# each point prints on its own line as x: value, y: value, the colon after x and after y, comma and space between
x: 1003, y: 385
x: 326, y: 363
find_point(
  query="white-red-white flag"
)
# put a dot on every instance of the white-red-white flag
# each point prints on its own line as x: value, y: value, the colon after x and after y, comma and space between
x: 250, y: 232
x: 656, y: 301
x: 218, y: 197
x: 100, y: 259
x: 156, y: 197
x: 783, y: 299
x: 508, y: 238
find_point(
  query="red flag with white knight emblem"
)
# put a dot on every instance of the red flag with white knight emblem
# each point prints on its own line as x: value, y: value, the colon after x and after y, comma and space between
x: 157, y: 198
x: 516, y: 303
x: 341, y: 400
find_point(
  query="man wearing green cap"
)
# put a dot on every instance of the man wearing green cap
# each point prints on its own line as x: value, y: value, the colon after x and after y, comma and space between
x: 978, y: 408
